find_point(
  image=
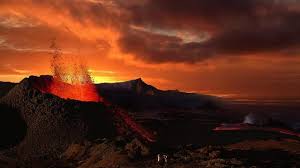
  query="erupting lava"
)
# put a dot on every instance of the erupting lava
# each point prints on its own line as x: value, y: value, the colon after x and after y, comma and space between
x: 72, y: 80
x: 82, y: 92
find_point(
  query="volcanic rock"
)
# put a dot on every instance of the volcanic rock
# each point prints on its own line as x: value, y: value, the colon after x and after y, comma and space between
x: 5, y: 88
x: 12, y: 127
x: 53, y: 123
x: 137, y: 86
x: 136, y: 149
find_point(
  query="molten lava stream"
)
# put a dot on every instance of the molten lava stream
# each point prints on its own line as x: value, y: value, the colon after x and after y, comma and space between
x: 135, y: 126
x: 131, y: 123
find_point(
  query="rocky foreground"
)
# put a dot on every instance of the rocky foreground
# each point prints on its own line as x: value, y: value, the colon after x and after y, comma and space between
x: 116, y: 153
x: 188, y: 156
x: 40, y: 130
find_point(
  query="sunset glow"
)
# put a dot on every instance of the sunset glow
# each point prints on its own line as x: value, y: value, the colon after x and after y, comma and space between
x: 230, y: 49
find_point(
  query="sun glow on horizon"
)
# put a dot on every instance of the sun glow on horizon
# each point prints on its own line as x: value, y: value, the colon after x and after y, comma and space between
x: 104, y: 79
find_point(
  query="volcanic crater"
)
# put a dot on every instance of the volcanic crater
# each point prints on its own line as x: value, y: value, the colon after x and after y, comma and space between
x: 48, y: 124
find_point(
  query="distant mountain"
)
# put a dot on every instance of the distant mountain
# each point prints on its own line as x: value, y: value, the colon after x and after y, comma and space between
x: 137, y: 86
x: 138, y: 95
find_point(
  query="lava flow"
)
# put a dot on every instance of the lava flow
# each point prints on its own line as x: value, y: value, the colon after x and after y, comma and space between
x: 72, y: 80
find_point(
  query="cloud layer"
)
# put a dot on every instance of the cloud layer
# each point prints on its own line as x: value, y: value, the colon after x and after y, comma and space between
x: 159, y: 31
x: 235, y: 28
x: 207, y: 44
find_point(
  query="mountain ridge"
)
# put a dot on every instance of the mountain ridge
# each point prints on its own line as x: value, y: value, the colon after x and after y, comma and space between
x: 136, y: 85
x: 140, y: 95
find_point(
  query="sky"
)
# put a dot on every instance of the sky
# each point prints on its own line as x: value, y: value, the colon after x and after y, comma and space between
x: 232, y: 48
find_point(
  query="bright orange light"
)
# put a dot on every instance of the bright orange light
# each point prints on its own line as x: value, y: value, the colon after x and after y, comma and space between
x: 82, y: 92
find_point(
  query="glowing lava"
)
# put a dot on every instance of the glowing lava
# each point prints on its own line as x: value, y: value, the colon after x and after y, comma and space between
x: 72, y: 80
x: 82, y: 92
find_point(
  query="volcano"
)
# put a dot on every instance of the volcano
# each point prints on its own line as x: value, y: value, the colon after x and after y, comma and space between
x: 53, y: 122
x: 65, y: 129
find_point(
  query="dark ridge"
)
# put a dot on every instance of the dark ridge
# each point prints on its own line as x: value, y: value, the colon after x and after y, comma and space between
x: 12, y: 127
x: 5, y: 87
x: 136, y: 86
x: 137, y: 95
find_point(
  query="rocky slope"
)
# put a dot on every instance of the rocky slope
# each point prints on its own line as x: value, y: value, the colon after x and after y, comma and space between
x: 52, y: 123
x: 5, y: 87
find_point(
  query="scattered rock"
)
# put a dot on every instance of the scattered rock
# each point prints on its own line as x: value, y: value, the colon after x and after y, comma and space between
x: 136, y: 149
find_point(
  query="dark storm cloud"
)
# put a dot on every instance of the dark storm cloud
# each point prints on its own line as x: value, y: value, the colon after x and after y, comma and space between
x: 156, y: 48
x: 193, y: 14
x: 260, y: 37
x: 236, y: 28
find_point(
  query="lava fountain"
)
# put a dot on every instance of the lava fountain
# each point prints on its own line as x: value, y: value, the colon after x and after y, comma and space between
x: 71, y: 80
